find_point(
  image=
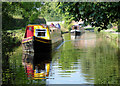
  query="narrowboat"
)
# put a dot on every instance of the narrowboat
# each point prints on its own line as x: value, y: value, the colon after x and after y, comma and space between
x: 75, y: 30
x: 41, y: 38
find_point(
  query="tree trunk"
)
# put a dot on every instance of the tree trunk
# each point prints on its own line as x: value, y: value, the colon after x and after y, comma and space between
x: 119, y: 31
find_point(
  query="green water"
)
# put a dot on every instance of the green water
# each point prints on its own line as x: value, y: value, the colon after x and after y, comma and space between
x: 88, y: 59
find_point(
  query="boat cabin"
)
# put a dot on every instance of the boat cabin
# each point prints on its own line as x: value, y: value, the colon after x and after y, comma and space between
x: 75, y: 27
x: 37, y: 31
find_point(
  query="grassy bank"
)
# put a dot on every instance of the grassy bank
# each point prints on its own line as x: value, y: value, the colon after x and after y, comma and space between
x: 111, y: 35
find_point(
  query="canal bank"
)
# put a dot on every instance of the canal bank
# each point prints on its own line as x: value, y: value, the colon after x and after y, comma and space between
x: 111, y: 34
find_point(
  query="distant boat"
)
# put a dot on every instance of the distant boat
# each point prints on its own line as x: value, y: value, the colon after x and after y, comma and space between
x: 41, y: 38
x: 75, y: 30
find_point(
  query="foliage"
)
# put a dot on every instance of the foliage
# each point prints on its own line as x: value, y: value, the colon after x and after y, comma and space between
x: 28, y: 11
x: 95, y: 13
x: 11, y: 39
x: 50, y: 12
x: 91, y: 28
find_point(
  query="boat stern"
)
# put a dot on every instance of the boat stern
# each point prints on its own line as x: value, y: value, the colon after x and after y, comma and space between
x: 41, y: 33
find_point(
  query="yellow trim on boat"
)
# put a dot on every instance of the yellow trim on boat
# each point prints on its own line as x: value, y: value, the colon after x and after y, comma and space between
x: 38, y: 78
x: 27, y: 37
x: 41, y: 41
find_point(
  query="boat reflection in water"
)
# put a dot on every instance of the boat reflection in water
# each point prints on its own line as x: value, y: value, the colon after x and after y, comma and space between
x: 73, y: 37
x: 37, y: 66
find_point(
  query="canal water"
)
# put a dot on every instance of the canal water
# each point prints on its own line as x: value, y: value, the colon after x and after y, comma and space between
x: 86, y: 59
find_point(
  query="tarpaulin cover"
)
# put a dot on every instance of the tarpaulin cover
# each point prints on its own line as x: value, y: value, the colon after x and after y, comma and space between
x: 29, y: 32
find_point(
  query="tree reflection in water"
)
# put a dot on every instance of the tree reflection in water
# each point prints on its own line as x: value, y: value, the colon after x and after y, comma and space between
x: 100, y: 61
x: 96, y: 56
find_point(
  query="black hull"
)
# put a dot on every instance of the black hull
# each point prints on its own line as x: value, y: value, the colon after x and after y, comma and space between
x: 40, y: 46
x: 36, y: 46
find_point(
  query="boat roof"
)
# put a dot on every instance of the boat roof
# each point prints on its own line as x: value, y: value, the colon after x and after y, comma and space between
x: 75, y: 25
x: 43, y: 25
x: 34, y: 24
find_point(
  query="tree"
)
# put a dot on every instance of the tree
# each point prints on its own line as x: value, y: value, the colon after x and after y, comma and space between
x: 98, y: 14
x: 50, y: 12
x: 28, y: 10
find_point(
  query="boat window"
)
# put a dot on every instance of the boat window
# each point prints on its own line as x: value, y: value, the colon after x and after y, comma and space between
x: 30, y: 28
x: 75, y: 27
x: 40, y: 32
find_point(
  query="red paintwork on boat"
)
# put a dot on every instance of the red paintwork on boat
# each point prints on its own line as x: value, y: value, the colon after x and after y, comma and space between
x: 29, y: 31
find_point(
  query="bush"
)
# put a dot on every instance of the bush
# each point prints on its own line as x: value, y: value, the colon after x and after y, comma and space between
x: 96, y: 29
x: 69, y: 27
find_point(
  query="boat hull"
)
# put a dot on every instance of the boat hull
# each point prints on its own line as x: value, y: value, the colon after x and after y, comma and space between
x: 75, y: 32
x: 40, y: 45
x: 37, y: 45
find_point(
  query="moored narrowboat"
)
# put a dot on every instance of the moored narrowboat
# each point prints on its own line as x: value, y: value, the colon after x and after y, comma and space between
x: 41, y: 38
x: 75, y: 30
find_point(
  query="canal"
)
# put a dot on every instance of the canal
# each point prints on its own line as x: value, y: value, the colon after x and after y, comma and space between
x: 86, y: 59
